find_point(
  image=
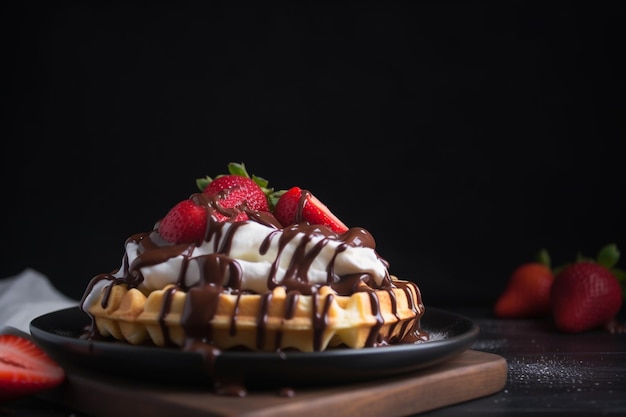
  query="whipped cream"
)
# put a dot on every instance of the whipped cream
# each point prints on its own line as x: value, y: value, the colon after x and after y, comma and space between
x: 265, y: 256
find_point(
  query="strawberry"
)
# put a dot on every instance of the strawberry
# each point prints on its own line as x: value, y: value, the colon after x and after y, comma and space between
x: 237, y: 190
x: 230, y: 196
x: 585, y: 295
x: 184, y: 223
x: 25, y: 368
x: 527, y: 293
x: 296, y: 205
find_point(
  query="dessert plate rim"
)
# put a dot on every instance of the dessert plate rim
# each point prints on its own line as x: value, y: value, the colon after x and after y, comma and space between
x: 58, y: 333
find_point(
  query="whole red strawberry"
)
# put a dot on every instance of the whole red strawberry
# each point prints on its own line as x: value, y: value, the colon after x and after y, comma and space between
x: 297, y: 204
x: 584, y: 295
x: 234, y: 191
x: 527, y: 293
x: 228, y: 197
x: 184, y: 223
x: 237, y: 191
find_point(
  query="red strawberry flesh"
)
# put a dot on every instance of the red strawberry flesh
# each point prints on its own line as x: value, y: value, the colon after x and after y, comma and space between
x: 297, y: 205
x: 25, y: 368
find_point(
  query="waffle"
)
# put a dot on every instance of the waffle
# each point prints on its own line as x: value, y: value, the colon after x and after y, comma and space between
x: 276, y: 320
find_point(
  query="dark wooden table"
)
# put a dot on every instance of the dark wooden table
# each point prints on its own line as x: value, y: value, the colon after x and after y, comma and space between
x: 549, y: 373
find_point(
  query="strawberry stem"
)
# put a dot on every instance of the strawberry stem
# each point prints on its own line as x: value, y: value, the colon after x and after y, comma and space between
x: 543, y: 257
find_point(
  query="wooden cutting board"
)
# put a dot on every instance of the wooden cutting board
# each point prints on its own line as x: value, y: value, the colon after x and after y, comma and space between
x: 472, y: 374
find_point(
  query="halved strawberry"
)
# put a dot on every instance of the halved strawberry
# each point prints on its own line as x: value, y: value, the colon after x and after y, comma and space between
x: 184, y: 223
x: 25, y: 368
x: 297, y: 205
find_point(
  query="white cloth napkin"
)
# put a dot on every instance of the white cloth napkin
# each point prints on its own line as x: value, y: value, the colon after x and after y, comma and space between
x: 27, y: 296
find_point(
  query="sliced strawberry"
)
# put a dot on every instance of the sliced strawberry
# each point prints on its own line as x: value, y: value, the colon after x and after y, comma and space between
x: 25, y: 368
x: 184, y: 223
x: 297, y: 205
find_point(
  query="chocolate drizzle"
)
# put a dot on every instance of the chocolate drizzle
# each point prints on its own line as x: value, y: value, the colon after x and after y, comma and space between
x: 220, y: 273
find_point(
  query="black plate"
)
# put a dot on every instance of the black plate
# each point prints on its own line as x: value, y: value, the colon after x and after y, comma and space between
x: 58, y: 333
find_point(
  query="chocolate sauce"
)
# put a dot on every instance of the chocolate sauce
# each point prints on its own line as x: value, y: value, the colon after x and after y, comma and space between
x: 219, y: 273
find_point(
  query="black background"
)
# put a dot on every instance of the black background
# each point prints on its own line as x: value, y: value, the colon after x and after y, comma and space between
x: 464, y: 135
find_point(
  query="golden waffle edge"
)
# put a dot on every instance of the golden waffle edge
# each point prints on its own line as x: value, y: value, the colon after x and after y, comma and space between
x: 242, y: 321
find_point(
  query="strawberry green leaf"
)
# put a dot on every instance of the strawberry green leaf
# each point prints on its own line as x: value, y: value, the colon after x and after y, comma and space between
x: 202, y: 183
x: 273, y: 197
x: 620, y: 274
x: 608, y: 256
x: 262, y: 182
x: 543, y: 257
x: 235, y: 168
